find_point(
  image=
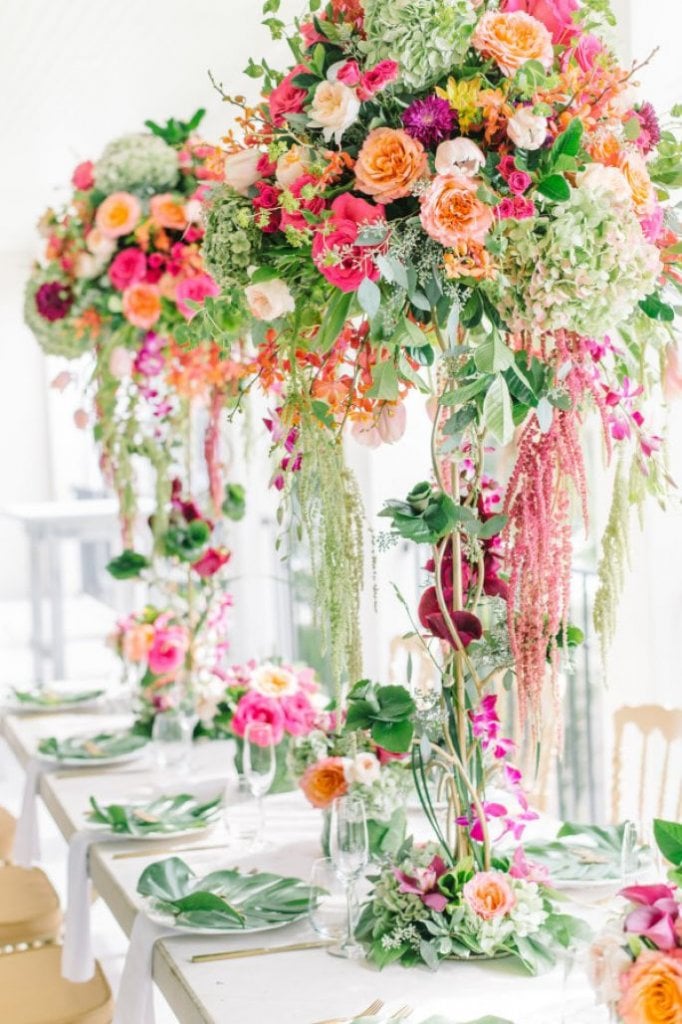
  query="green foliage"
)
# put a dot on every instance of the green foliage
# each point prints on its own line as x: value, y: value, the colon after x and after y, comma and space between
x: 234, y: 505
x: 427, y: 516
x: 232, y: 241
x: 586, y: 853
x: 162, y: 816
x: 668, y: 836
x: 615, y: 546
x: 92, y: 748
x: 188, y: 541
x: 385, y: 712
x: 128, y: 565
x: 176, y: 132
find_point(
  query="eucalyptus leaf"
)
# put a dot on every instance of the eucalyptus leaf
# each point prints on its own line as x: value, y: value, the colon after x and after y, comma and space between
x: 369, y: 297
x: 497, y: 411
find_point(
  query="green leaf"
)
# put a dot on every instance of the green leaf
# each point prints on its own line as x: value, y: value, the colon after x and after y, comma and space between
x: 472, y: 314
x: 234, y: 505
x: 369, y: 297
x: 568, y: 143
x: 461, y: 395
x: 655, y: 309
x: 668, y: 836
x: 417, y: 337
x: 555, y: 187
x: 497, y: 411
x: 385, y: 382
x: 334, y: 318
x: 492, y: 355
x: 128, y: 565
x: 491, y: 527
x: 393, y: 736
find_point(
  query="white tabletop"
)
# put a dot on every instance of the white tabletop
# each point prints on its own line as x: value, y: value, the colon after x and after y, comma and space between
x: 291, y: 988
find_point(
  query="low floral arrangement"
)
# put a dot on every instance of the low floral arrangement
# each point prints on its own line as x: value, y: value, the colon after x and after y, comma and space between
x: 636, y: 962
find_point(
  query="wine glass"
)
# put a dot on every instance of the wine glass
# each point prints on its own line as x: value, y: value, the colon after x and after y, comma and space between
x: 172, y: 735
x: 259, y: 768
x: 349, y: 848
x: 327, y: 905
x: 629, y: 856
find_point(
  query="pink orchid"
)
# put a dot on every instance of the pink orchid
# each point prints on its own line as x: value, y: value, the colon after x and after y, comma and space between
x: 655, y: 915
x: 474, y: 824
x: 424, y: 884
x: 529, y: 870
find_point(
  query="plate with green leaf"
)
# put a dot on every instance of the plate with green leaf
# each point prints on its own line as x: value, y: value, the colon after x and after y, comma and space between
x: 104, y: 748
x: 222, y: 901
x: 51, y: 699
x: 583, y: 854
x: 178, y: 815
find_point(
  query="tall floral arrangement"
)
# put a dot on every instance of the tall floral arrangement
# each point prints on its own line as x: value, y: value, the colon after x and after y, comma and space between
x: 468, y: 198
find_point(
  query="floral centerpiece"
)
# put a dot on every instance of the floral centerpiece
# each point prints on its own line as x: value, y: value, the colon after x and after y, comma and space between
x: 119, y: 279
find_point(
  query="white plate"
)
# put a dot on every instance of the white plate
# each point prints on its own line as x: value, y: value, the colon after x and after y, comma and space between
x: 572, y: 884
x: 18, y: 707
x: 92, y: 762
x: 186, y: 833
x: 166, y: 921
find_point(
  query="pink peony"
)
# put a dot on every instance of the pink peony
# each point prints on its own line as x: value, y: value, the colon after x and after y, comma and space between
x: 555, y: 15
x: 128, y: 267
x: 254, y: 707
x: 168, y: 649
x: 335, y: 252
x: 194, y: 289
x: 377, y: 78
x: 299, y: 714
x: 286, y: 98
x: 83, y: 177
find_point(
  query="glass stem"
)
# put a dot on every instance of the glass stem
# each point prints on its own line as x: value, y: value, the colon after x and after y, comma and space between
x: 350, y: 909
x: 260, y: 816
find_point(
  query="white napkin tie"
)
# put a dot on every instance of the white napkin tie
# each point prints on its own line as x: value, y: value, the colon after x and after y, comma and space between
x: 135, y: 1001
x: 27, y: 839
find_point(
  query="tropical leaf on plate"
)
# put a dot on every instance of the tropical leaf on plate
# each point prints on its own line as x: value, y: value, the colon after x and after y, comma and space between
x: 223, y: 900
x: 582, y: 853
x: 164, y: 815
x: 48, y: 698
x: 92, y: 748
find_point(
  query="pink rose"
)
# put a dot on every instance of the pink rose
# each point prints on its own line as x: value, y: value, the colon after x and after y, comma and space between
x: 287, y: 98
x: 194, y: 289
x: 377, y: 78
x: 519, y: 182
x: 335, y: 253
x: 210, y: 562
x: 266, y: 205
x: 555, y: 15
x: 299, y: 714
x: 83, y: 177
x: 489, y: 894
x: 168, y: 649
x: 128, y: 267
x: 254, y: 707
x: 348, y: 73
x: 588, y: 49
x: 314, y: 205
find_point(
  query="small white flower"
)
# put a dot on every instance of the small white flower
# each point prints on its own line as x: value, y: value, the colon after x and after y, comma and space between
x: 269, y: 300
x: 526, y: 129
x: 365, y: 769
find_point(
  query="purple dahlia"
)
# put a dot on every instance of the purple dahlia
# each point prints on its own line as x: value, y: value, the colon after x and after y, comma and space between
x: 650, y: 134
x: 430, y: 120
x: 54, y: 300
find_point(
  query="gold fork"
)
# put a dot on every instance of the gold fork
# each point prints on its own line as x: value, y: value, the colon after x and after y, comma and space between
x: 372, y: 1010
x: 402, y: 1014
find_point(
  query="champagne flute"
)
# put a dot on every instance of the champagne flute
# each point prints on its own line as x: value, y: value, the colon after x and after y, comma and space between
x: 349, y: 848
x: 629, y: 855
x: 259, y: 768
x: 327, y: 905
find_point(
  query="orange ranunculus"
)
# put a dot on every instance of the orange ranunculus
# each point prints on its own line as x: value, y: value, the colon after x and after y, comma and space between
x: 137, y: 640
x: 118, y: 214
x: 142, y: 305
x: 168, y: 212
x: 325, y: 781
x: 489, y: 894
x: 512, y: 39
x: 635, y: 170
x: 472, y: 260
x: 388, y: 164
x: 652, y: 989
x: 604, y: 147
x: 452, y: 213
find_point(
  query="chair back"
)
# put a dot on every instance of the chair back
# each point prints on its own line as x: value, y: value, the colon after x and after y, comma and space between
x: 647, y: 762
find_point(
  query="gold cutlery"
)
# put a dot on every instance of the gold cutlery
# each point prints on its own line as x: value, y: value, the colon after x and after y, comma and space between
x: 237, y: 954
x: 160, y: 847
x: 402, y: 1014
x: 372, y: 1011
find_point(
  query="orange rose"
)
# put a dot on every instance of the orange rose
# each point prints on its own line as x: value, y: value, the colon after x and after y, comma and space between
x: 118, y: 214
x: 142, y: 305
x: 604, y: 147
x: 489, y: 894
x: 652, y: 989
x: 635, y: 170
x: 512, y: 39
x: 168, y: 212
x: 388, y: 164
x: 324, y: 782
x: 452, y: 213
x: 472, y: 260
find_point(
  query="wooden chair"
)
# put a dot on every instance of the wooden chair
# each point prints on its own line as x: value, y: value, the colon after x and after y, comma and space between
x: 29, y: 908
x: 404, y: 650
x: 653, y: 778
x: 8, y: 827
x: 32, y: 991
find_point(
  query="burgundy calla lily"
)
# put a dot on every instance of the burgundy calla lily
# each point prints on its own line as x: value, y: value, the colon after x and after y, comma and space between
x: 468, y: 626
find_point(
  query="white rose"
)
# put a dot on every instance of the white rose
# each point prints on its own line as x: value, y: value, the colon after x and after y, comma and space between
x: 459, y: 156
x: 193, y: 211
x: 291, y: 165
x: 269, y: 299
x: 273, y: 680
x: 88, y: 265
x: 334, y: 109
x: 241, y: 170
x: 364, y: 768
x: 599, y: 180
x: 526, y: 129
x: 98, y: 244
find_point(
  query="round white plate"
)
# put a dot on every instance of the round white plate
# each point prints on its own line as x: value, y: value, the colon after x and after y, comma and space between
x: 169, y: 922
x: 573, y: 884
x: 92, y: 762
x: 17, y: 707
x: 186, y: 833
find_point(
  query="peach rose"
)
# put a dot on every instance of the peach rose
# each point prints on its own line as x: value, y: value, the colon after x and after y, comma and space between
x: 634, y: 168
x: 241, y: 170
x: 269, y: 300
x: 388, y: 164
x: 273, y: 681
x: 137, y: 641
x: 118, y: 214
x: 605, y: 181
x: 513, y: 39
x: 334, y: 109
x: 142, y: 305
x: 489, y: 894
x: 292, y: 165
x: 652, y: 989
x: 325, y: 781
x: 168, y: 212
x: 452, y: 212
x: 526, y: 129
x: 99, y: 244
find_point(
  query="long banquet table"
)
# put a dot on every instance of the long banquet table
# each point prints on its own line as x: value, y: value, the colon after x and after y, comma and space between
x: 291, y: 988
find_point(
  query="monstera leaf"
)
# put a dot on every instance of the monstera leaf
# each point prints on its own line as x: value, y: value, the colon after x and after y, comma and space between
x: 49, y: 698
x: 585, y: 853
x: 92, y: 748
x: 165, y: 815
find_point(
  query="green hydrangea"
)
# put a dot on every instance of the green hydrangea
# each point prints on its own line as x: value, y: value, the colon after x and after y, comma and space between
x: 232, y: 240
x: 140, y: 163
x: 584, y: 269
x: 56, y: 337
x: 428, y: 38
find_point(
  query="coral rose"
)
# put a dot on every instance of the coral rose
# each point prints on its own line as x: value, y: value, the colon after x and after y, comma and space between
x: 118, y: 214
x: 513, y: 39
x: 142, y: 305
x: 452, y: 212
x: 335, y: 252
x: 168, y: 212
x: 652, y: 989
x: 388, y: 164
x: 287, y: 98
x: 325, y: 781
x: 489, y: 894
x: 194, y: 289
x: 633, y: 166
